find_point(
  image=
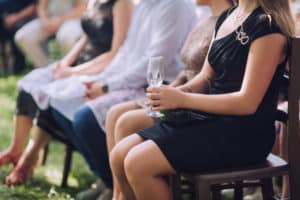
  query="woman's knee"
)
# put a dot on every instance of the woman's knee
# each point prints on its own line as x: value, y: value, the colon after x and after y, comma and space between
x: 133, y: 166
x: 130, y: 122
x: 112, y: 115
x: 120, y: 151
x: 116, y: 111
x: 116, y: 159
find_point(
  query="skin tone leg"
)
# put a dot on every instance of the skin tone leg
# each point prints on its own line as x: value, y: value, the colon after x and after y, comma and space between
x: 135, y: 166
x: 117, y: 157
x: 29, y: 157
x: 22, y: 126
x: 121, y: 123
x: 111, y: 119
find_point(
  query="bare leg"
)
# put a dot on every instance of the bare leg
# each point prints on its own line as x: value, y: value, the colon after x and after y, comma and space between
x: 24, y: 169
x: 119, y: 126
x: 111, y: 119
x: 132, y: 122
x: 22, y: 126
x: 145, y: 175
x: 117, y: 157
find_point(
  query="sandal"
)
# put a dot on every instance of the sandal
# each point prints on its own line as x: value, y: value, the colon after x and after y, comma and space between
x: 19, y: 175
x: 6, y: 158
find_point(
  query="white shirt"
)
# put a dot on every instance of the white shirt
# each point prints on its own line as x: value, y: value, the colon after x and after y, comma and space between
x: 158, y: 28
x: 60, y: 7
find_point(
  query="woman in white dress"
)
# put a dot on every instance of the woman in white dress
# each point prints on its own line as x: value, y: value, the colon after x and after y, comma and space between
x: 105, y: 26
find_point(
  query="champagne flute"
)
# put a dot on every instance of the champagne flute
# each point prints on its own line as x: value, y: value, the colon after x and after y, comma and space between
x: 155, y: 77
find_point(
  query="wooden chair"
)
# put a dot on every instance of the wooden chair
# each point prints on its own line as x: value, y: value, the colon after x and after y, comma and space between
x: 3, y: 54
x: 215, y: 181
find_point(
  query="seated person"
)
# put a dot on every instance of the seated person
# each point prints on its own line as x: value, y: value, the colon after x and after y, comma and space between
x: 165, y: 38
x: 233, y: 100
x: 193, y: 55
x: 13, y: 15
x: 55, y: 18
x: 97, y: 47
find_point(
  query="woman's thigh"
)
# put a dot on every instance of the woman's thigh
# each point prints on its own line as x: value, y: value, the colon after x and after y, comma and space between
x: 131, y: 122
x: 116, y: 111
x: 155, y: 165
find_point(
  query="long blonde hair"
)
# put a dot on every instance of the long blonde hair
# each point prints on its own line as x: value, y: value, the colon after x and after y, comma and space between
x: 280, y: 11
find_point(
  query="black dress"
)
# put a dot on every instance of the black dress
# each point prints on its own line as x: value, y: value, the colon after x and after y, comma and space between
x: 97, y: 24
x: 222, y: 141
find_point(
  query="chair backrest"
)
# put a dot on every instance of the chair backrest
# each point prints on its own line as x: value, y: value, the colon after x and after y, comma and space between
x: 293, y: 122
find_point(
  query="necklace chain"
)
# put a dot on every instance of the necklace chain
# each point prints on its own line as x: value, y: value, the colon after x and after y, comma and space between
x: 241, y: 35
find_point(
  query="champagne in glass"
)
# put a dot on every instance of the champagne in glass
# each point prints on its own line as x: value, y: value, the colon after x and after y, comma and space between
x: 155, y: 77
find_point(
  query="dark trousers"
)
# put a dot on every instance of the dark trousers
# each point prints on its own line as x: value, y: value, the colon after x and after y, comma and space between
x: 89, y: 139
x: 7, y: 7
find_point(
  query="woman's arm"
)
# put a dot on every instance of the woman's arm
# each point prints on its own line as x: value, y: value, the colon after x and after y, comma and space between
x: 73, y: 54
x: 76, y: 12
x: 180, y: 79
x: 121, y: 19
x: 13, y: 18
x: 42, y: 9
x: 201, y: 82
x: 261, y: 66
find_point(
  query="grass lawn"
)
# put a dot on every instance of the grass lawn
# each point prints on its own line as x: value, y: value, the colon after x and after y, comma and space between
x: 45, y: 184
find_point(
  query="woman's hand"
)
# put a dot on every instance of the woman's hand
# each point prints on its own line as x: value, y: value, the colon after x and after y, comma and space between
x: 61, y: 70
x: 165, y: 97
x: 94, y: 90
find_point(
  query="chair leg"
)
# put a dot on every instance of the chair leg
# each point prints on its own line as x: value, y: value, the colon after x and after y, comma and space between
x: 216, y: 194
x: 238, y: 190
x: 202, y: 190
x: 45, y: 154
x: 267, y: 189
x: 67, y: 165
x: 175, y: 186
x: 3, y: 57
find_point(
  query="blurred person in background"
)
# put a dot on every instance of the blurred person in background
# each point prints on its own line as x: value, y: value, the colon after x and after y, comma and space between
x: 56, y: 18
x: 105, y: 28
x: 13, y: 15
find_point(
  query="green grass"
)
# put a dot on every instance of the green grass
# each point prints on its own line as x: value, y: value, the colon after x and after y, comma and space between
x: 46, y: 180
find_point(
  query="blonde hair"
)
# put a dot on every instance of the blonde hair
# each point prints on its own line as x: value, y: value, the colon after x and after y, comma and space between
x: 280, y: 12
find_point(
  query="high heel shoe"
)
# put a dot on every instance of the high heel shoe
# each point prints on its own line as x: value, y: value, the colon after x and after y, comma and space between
x: 6, y: 158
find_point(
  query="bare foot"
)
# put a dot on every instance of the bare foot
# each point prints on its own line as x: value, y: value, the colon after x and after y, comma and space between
x: 8, y: 156
x: 22, y: 172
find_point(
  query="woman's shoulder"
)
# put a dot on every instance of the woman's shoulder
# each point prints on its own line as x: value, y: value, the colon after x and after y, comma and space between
x: 261, y: 23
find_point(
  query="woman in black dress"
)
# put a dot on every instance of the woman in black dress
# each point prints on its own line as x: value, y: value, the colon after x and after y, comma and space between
x: 242, y: 75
